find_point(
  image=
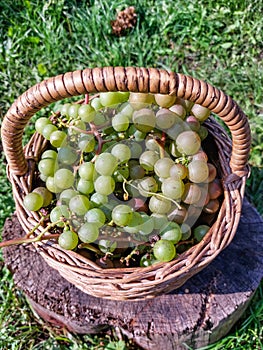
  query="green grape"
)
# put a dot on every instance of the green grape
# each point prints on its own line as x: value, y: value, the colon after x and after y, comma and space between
x: 134, y: 224
x: 73, y: 111
x: 64, y: 178
x: 107, y: 246
x: 99, y: 119
x: 95, y: 103
x: 173, y: 188
x: 147, y: 184
x: 179, y: 110
x: 159, y: 205
x: 135, y: 148
x: 85, y: 186
x: 147, y: 225
x: 41, y: 123
x: 200, y: 112
x: 172, y: 232
x: 87, y: 143
x: 86, y: 171
x: 58, y: 138
x: 79, y: 204
x: 165, y: 119
x: 64, y: 109
x: 66, y: 195
x: 110, y: 98
x: 51, y: 186
x: 33, y: 201
x: 178, y: 171
x: 121, y: 152
x: 148, y: 159
x: 147, y: 260
x: 88, y: 232
x: 50, y: 153
x: 86, y: 113
x: 67, y: 155
x: 127, y: 110
x: 176, y: 129
x: 139, y: 136
x: 200, y: 231
x: 164, y: 101
x: 162, y: 167
x: 60, y: 213
x: 188, y: 142
x: 174, y: 151
x: 98, y: 199
x: 186, y: 231
x: 198, y: 171
x: 96, y: 216
x: 46, y: 195
x: 160, y: 221
x: 68, y: 240
x: 144, y: 120
x: 120, y: 122
x: 47, y: 166
x: 164, y: 250
x: 202, y: 132
x: 47, y: 131
x: 136, y: 172
x: 104, y: 185
x: 140, y: 100
x: 151, y: 142
x: 106, y: 164
x: 121, y: 215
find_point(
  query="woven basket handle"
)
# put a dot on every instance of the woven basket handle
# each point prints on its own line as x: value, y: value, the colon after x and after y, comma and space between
x: 123, y: 79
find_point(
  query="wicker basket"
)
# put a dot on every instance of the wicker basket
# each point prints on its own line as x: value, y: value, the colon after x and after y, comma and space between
x: 130, y: 283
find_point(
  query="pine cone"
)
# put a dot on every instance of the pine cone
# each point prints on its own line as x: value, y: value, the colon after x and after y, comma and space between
x: 125, y: 20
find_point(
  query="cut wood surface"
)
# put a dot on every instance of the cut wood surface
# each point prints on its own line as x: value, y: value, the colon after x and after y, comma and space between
x: 199, y: 313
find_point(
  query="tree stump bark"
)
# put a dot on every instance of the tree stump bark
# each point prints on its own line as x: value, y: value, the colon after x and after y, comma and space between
x: 199, y: 313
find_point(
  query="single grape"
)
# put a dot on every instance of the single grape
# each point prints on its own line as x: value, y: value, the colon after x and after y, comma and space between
x: 178, y: 171
x: 49, y: 153
x: 58, y: 138
x: 99, y: 119
x: 172, y: 232
x: 88, y: 232
x: 64, y: 109
x: 61, y: 214
x: 64, y: 178
x: 46, y: 195
x: 164, y: 250
x: 86, y: 171
x: 48, y: 130
x: 151, y: 142
x: 87, y: 143
x: 104, y: 185
x: 73, y: 111
x: 47, y: 166
x: 136, y: 172
x: 198, y: 171
x: 121, y: 152
x: 202, y: 132
x: 192, y: 193
x: 188, y: 142
x: 96, y: 216
x: 147, y: 260
x: 98, y: 199
x: 86, y: 113
x: 215, y: 189
x: 147, y: 225
x: 120, y: 122
x: 79, y: 204
x: 212, y: 172
x: 200, y: 112
x: 96, y: 104
x: 120, y: 173
x: 144, y: 120
x: 148, y: 159
x: 51, y: 186
x: 135, y: 148
x: 179, y: 110
x: 122, y: 215
x: 186, y: 232
x: 160, y: 221
x: 165, y: 119
x: 200, y: 155
x: 106, y: 164
x: 200, y: 231
x: 68, y: 240
x: 164, y: 101
x: 85, y: 186
x: 127, y: 110
x: 173, y: 188
x: 159, y: 205
x: 162, y: 167
x: 140, y: 100
x: 41, y: 123
x: 107, y: 246
x: 138, y: 135
x: 146, y: 185
x: 193, y: 123
x: 134, y: 224
x: 212, y: 206
x: 67, y: 155
x: 178, y: 215
x: 111, y: 98
x: 33, y: 201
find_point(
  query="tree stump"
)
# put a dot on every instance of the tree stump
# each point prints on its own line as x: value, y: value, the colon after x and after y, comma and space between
x: 197, y: 314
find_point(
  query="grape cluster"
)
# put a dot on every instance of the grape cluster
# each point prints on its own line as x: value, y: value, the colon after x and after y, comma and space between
x: 125, y: 176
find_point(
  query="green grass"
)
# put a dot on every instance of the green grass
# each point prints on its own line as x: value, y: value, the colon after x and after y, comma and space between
x: 220, y: 42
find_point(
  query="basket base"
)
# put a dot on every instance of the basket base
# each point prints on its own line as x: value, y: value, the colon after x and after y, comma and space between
x: 199, y: 313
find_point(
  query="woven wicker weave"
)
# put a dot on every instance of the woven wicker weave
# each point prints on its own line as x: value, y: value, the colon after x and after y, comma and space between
x: 130, y: 283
